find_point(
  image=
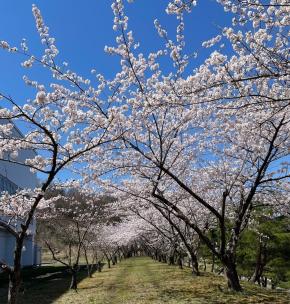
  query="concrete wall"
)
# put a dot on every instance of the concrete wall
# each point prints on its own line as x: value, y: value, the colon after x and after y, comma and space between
x: 18, y: 174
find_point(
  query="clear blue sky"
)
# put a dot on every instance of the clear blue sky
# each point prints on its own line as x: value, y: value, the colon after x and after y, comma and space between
x: 83, y: 28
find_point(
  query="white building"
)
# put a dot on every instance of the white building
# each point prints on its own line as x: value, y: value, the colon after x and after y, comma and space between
x: 13, y: 177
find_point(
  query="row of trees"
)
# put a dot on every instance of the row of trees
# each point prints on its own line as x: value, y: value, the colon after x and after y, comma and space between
x: 196, y: 149
x: 262, y: 254
x: 211, y: 146
x: 79, y: 229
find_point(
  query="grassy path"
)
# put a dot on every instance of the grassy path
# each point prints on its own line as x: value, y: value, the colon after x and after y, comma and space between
x: 144, y: 281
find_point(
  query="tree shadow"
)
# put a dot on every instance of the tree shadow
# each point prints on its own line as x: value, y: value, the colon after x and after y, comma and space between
x: 41, y: 285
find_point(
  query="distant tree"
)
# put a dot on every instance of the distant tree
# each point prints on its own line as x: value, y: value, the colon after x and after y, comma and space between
x: 76, y: 222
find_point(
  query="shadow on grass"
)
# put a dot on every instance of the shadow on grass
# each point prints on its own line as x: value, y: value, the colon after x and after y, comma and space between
x: 41, y: 285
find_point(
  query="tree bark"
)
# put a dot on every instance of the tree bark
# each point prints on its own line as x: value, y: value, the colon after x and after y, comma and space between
x: 179, y: 261
x: 171, y: 260
x: 90, y: 271
x: 194, y: 265
x: 260, y: 263
x: 89, y: 267
x: 15, y: 274
x: 164, y: 258
x: 14, y: 285
x: 74, y: 283
x: 99, y: 266
x: 213, y: 263
x: 231, y: 274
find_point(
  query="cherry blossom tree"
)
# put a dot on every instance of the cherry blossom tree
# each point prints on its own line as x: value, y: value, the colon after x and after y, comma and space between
x: 218, y: 135
x: 64, y: 122
x: 183, y: 240
x: 204, y: 147
x: 77, y: 217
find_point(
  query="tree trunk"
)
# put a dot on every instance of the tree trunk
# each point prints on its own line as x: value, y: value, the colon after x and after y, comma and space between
x: 89, y: 267
x: 109, y: 263
x: 15, y: 274
x: 156, y: 255
x: 194, y: 264
x: 14, y: 285
x: 171, y: 260
x: 264, y: 282
x: 260, y: 263
x: 90, y: 270
x: 99, y: 266
x: 231, y: 274
x: 74, y: 283
x: 180, y: 264
x: 120, y: 256
x: 213, y: 263
x: 164, y: 258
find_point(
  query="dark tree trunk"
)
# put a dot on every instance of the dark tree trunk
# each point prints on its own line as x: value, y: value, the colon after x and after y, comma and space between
x: 15, y: 274
x: 231, y: 274
x: 156, y: 255
x: 109, y: 263
x: 73, y: 283
x: 194, y: 265
x: 179, y: 261
x: 89, y: 266
x: 213, y: 263
x: 164, y: 258
x: 99, y: 266
x: 14, y: 285
x: 90, y: 271
x: 264, y: 282
x: 260, y: 263
x: 171, y: 260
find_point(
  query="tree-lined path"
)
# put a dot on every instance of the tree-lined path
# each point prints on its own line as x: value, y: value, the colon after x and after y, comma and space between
x: 176, y: 146
x: 141, y: 280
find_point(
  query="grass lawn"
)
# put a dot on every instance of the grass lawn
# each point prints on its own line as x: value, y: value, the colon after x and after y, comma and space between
x: 144, y: 281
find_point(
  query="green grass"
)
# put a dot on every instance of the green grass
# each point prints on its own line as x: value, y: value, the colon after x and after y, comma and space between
x: 144, y: 281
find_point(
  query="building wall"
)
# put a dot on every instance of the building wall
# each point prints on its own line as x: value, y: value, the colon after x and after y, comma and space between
x: 30, y: 255
x: 18, y: 174
x: 13, y: 177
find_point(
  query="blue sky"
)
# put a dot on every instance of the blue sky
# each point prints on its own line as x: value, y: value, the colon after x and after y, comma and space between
x: 83, y: 28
